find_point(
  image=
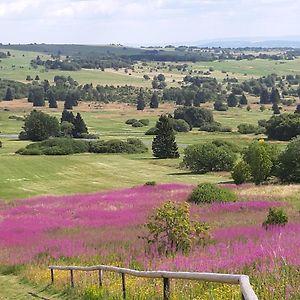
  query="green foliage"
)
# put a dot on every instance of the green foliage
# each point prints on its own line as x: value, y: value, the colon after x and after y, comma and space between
x: 241, y: 172
x: 145, y: 122
x: 276, y: 217
x: 9, y: 95
x: 118, y: 146
x: 214, y: 127
x: 209, y: 193
x: 151, y: 131
x: 262, y: 158
x: 243, y: 100
x: 289, y: 163
x: 154, y: 102
x: 131, y: 121
x: 245, y: 128
x: 66, y: 129
x: 194, y: 116
x: 203, y: 158
x: 232, y: 100
x: 171, y: 230
x: 180, y: 125
x: 227, y: 144
x: 39, y: 126
x: 164, y: 143
x: 137, y: 124
x: 220, y: 106
x: 56, y: 146
x: 150, y: 183
x: 140, y: 102
x: 283, y: 127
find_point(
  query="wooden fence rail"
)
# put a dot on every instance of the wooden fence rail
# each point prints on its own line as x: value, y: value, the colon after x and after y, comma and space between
x: 247, y: 292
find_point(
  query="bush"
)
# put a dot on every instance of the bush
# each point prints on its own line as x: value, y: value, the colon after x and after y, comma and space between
x: 145, y: 122
x: 283, y: 127
x: 131, y: 121
x: 203, y: 158
x: 276, y: 217
x: 245, y: 128
x: 88, y: 136
x: 227, y: 144
x: 150, y: 183
x: 289, y: 163
x: 214, y: 127
x: 0, y: 144
x: 137, y: 124
x: 118, y: 146
x: 194, y: 116
x: 209, y: 193
x: 170, y: 229
x: 241, y: 172
x: 180, y: 125
x: 151, y: 131
x: 56, y: 146
x: 23, y: 136
x: 220, y: 106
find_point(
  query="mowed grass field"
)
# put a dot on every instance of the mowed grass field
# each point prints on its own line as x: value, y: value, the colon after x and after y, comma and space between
x: 26, y: 176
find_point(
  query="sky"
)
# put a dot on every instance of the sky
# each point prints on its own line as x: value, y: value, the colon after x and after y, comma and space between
x: 146, y: 22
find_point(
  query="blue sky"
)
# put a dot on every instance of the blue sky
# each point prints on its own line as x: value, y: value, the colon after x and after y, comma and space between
x: 145, y: 21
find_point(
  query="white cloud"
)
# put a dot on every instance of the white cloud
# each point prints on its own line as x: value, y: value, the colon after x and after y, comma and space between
x: 142, y: 21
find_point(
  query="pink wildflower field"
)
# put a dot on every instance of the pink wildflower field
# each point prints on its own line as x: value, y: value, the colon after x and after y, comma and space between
x: 104, y: 227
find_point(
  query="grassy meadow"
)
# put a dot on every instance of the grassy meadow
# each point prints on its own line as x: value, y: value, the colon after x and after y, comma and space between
x: 87, y: 209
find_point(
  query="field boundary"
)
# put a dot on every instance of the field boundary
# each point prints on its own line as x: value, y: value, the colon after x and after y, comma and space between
x: 243, y: 281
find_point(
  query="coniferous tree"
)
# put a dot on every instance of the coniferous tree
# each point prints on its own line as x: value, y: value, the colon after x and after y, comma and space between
x: 51, y: 99
x: 232, y: 101
x: 9, y: 95
x: 79, y: 126
x: 264, y: 97
x: 38, y: 96
x: 67, y: 116
x: 275, y: 97
x: 154, y: 101
x: 276, y: 109
x: 243, y: 100
x: 164, y: 143
x: 140, y: 103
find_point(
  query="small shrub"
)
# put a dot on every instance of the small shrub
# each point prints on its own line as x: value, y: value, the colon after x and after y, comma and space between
x: 131, y: 121
x: 145, y: 122
x: 170, y: 229
x: 87, y: 136
x: 241, y: 172
x: 23, y: 136
x: 245, y: 128
x: 137, y: 124
x: 150, y: 183
x: 151, y: 131
x: 276, y: 216
x: 209, y: 193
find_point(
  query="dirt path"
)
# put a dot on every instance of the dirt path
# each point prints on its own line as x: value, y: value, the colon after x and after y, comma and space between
x: 12, y: 289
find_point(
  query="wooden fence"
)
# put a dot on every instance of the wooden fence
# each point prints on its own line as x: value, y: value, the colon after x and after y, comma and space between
x: 247, y: 292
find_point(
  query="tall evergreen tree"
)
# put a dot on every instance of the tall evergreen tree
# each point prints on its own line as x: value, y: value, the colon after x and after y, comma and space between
x: 79, y: 126
x: 275, y: 97
x: 9, y: 95
x: 67, y: 116
x: 140, y: 103
x: 38, y: 96
x: 276, y: 109
x: 199, y: 98
x: 243, y: 100
x: 297, y: 111
x: 232, y: 100
x: 264, y: 97
x: 51, y: 99
x: 154, y: 101
x: 164, y: 143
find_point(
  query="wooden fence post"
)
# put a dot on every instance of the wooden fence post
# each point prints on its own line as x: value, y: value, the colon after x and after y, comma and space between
x: 100, y: 278
x: 52, y: 276
x: 166, y: 289
x: 123, y: 285
x: 72, y: 278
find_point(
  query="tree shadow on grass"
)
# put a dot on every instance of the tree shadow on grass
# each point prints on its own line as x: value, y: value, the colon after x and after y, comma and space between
x: 183, y: 174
